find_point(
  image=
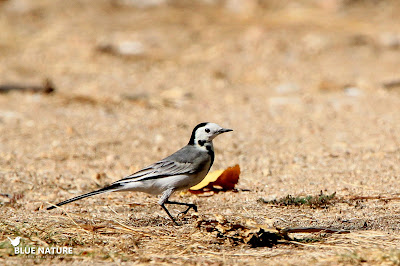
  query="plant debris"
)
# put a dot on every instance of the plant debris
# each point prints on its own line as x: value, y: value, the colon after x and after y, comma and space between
x: 256, y: 235
x: 382, y: 198
x: 320, y: 201
x: 46, y: 88
x: 236, y: 233
x: 12, y: 198
x: 288, y: 230
x: 323, y: 200
x: 217, y: 181
x: 392, y: 84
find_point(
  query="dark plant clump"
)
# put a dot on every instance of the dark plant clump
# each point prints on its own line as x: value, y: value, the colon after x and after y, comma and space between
x: 320, y: 201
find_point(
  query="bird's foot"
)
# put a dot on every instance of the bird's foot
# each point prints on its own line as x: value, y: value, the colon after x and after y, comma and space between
x: 190, y: 206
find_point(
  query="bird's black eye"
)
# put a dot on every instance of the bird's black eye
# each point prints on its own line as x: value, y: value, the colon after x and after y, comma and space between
x: 207, y: 130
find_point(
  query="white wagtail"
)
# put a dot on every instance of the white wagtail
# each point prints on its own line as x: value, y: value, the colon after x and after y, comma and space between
x: 181, y: 170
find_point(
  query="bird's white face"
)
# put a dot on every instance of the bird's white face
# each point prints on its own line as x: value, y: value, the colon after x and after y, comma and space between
x: 206, y: 132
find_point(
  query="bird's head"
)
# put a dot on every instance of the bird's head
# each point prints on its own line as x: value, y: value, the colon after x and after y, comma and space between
x: 206, y: 132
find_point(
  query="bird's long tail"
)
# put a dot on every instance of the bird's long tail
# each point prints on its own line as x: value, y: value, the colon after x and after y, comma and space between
x: 111, y: 188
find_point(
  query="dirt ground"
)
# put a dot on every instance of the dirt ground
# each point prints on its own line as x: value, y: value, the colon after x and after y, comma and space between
x: 311, y: 89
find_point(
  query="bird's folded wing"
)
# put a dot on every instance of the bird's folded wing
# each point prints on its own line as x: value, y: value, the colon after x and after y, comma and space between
x: 160, y: 169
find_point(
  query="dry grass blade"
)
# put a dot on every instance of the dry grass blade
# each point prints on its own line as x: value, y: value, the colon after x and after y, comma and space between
x: 371, y: 198
x: 66, y: 213
x: 288, y: 230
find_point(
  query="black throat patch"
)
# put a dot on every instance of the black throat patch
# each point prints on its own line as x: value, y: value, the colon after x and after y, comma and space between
x: 211, y: 153
x: 201, y: 142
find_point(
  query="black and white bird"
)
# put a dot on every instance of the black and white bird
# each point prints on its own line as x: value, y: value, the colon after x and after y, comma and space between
x: 181, y: 170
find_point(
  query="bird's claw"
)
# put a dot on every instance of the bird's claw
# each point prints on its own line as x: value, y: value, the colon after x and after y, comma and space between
x: 194, y: 207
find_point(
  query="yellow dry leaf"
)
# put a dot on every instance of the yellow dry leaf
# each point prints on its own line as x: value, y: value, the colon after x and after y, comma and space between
x: 210, y: 177
x: 216, y: 181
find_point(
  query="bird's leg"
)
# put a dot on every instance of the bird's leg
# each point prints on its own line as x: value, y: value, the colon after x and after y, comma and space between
x: 163, y: 200
x: 189, y: 205
x: 170, y: 216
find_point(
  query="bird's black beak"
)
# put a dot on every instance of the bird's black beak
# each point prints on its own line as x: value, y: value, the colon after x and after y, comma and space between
x: 223, y: 130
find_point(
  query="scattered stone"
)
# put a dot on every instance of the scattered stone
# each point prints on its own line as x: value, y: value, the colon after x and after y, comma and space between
x: 123, y: 48
x: 174, y: 97
x: 353, y: 91
x: 287, y: 88
x: 390, y: 40
x: 315, y: 43
x: 142, y: 3
x: 158, y: 139
x: 112, y: 158
x: 330, y: 5
x: 242, y: 7
x: 19, y: 7
x: 9, y: 115
x: 277, y: 105
x: 131, y: 48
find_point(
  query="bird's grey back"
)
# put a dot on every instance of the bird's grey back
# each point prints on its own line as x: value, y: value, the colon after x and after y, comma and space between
x: 187, y: 160
x: 190, y: 154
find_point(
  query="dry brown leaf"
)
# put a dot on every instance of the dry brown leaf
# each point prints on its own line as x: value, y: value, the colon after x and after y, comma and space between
x: 236, y: 233
x: 257, y: 235
x: 217, y: 181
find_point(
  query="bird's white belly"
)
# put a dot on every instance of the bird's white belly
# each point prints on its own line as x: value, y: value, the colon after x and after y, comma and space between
x: 159, y: 185
x: 150, y: 186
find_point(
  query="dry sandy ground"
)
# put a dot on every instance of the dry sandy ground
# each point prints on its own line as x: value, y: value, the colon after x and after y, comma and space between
x: 302, y: 85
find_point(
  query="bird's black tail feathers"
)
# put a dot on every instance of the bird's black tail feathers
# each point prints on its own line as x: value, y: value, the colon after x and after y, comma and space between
x: 103, y: 190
